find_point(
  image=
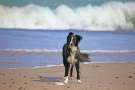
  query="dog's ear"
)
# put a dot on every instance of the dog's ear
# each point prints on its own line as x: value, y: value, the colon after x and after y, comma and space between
x: 69, y: 36
x: 70, y: 33
x: 78, y: 39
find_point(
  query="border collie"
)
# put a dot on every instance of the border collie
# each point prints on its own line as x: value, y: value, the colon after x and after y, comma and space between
x: 71, y: 55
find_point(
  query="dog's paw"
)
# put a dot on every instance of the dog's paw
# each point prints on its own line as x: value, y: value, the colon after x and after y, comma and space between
x: 66, y: 80
x: 79, y: 81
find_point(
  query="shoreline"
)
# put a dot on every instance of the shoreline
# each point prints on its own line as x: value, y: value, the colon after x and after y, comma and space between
x: 61, y: 65
x: 101, y: 76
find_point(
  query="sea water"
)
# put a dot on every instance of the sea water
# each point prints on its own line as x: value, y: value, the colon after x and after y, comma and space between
x: 32, y: 32
x: 31, y: 48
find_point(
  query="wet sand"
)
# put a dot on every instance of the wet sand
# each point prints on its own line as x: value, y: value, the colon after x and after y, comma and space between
x: 116, y: 76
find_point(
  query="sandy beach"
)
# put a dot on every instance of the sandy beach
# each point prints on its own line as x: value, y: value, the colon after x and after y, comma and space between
x: 115, y: 76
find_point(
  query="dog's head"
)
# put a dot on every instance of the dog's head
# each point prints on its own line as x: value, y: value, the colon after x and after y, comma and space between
x: 70, y: 38
x: 73, y: 39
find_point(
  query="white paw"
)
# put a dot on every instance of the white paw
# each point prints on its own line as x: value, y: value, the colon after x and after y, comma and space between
x: 79, y: 81
x: 66, y: 80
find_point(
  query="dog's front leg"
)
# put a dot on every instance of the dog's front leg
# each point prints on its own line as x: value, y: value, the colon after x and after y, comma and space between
x: 66, y: 72
x: 71, y: 71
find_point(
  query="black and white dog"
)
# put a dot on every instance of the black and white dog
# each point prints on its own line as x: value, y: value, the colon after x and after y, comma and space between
x: 71, y: 55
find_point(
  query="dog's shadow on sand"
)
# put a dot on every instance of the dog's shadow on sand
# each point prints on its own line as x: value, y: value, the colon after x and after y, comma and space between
x: 48, y: 79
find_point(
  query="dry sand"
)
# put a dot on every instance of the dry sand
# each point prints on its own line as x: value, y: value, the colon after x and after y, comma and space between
x: 120, y: 76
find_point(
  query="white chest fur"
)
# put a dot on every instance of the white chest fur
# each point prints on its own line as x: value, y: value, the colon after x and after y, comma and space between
x: 71, y: 59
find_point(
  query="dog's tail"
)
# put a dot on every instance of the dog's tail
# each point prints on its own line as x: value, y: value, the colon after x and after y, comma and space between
x: 84, y: 57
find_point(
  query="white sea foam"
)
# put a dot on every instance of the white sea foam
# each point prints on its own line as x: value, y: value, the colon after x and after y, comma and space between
x: 109, y: 16
x: 47, y: 66
x: 12, y: 68
x: 32, y: 50
x: 59, y: 51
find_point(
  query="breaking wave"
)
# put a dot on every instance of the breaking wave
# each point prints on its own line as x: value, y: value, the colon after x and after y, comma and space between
x: 108, y: 16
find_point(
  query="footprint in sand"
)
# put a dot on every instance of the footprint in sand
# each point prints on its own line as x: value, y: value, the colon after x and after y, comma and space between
x: 3, y: 83
x: 13, y: 82
x: 11, y: 79
x: 44, y: 88
x: 68, y: 87
x: 2, y: 74
x: 25, y: 83
x: 20, y: 88
x: 130, y: 76
x: 117, y: 77
x: 10, y: 86
x: 24, y: 76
